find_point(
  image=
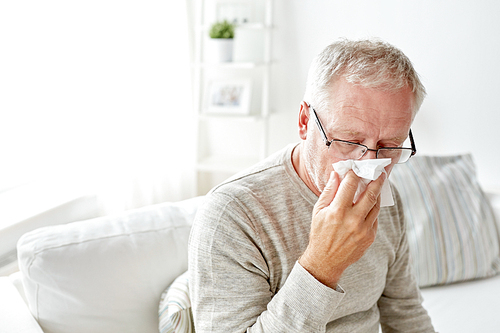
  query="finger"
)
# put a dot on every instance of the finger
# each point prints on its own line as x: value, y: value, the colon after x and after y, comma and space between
x: 372, y: 215
x: 375, y: 228
x: 329, y: 192
x: 371, y: 195
x: 347, y: 189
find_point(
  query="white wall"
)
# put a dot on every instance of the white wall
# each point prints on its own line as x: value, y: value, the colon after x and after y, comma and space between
x: 97, y: 92
x: 453, y: 45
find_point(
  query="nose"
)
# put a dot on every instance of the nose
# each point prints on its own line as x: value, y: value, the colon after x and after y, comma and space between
x: 370, y: 154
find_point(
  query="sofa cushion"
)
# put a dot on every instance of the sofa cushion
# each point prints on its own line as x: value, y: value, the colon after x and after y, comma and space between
x: 452, y: 231
x: 175, y: 307
x: 106, y: 274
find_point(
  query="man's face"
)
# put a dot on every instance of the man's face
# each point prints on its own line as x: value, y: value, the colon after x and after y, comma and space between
x: 371, y: 117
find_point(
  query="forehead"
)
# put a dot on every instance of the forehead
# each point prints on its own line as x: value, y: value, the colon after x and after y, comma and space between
x: 355, y: 110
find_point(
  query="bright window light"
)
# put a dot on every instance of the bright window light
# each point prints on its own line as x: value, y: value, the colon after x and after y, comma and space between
x: 97, y: 91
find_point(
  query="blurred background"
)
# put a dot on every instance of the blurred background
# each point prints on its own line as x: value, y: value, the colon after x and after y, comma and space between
x: 112, y: 98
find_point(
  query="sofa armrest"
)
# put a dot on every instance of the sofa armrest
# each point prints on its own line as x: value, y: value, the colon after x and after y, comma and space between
x: 14, y: 313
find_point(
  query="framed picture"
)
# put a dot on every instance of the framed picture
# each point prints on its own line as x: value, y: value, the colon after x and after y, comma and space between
x: 229, y: 97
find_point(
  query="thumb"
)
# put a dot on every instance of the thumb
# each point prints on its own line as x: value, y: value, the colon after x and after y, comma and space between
x: 329, y: 192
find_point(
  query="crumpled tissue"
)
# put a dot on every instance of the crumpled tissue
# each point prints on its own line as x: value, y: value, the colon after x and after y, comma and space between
x: 367, y: 170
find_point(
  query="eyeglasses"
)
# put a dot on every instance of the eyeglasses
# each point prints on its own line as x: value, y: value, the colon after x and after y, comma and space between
x: 347, y: 150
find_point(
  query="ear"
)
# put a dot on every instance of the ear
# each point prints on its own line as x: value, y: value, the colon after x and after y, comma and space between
x: 303, y: 120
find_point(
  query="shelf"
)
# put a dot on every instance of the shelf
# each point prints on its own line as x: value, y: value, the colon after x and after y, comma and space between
x: 229, y: 164
x: 221, y: 136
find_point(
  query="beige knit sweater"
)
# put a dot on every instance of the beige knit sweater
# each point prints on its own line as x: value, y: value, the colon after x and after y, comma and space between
x: 244, y: 275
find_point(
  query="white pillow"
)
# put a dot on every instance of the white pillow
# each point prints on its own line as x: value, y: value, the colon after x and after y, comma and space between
x: 452, y: 231
x: 175, y: 308
x: 106, y: 274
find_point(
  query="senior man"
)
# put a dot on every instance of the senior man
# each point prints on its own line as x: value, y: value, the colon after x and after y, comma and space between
x: 285, y: 246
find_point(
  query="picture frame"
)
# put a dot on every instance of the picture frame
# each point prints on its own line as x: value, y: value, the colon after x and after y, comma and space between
x: 229, y: 97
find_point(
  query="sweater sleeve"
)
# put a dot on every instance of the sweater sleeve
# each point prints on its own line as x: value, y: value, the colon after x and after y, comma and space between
x: 229, y: 279
x: 400, y: 305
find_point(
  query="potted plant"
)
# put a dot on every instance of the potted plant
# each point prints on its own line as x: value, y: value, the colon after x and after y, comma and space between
x: 222, y: 34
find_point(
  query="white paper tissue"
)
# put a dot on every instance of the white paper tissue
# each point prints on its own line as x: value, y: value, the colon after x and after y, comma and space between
x: 368, y: 170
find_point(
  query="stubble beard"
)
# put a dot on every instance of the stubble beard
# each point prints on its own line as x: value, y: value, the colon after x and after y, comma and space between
x: 314, y: 171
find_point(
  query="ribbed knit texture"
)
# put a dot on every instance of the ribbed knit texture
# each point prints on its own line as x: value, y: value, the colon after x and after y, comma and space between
x: 244, y: 274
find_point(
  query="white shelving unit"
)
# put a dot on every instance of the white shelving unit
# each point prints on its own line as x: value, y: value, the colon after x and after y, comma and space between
x: 228, y: 143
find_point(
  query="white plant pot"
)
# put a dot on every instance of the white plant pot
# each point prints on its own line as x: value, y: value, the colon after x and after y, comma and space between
x: 222, y: 49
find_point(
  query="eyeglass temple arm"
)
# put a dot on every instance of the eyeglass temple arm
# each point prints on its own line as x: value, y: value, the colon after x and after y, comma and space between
x: 321, y: 130
x: 413, y: 147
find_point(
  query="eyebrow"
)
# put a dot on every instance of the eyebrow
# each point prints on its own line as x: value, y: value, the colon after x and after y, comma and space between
x: 355, y: 133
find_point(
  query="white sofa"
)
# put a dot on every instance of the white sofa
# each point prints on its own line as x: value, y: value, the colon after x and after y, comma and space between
x: 107, y: 275
x: 100, y: 275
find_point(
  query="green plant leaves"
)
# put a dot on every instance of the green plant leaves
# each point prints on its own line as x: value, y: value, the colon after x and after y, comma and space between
x: 222, y: 29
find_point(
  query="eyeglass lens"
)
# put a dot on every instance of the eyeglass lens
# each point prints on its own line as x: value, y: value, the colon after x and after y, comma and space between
x: 345, y: 150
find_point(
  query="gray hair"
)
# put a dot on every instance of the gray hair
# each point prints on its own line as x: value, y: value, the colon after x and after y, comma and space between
x: 370, y: 63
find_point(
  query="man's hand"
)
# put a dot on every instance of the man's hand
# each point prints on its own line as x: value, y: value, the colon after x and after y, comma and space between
x: 341, y: 231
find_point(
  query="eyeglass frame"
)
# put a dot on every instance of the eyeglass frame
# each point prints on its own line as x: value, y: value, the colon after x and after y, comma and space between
x: 329, y: 142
